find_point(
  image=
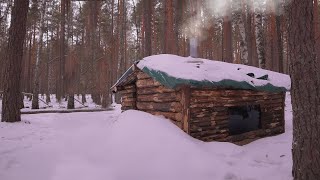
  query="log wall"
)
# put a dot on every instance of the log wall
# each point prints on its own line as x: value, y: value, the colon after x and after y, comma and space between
x: 203, y: 113
x: 128, y: 97
x: 154, y: 98
x: 209, y: 114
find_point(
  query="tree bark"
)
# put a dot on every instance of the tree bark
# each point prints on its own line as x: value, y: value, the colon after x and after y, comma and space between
x: 147, y: 16
x: 227, y: 36
x: 259, y: 35
x: 240, y: 20
x: 35, y: 99
x: 305, y: 77
x: 11, y: 92
x: 249, y: 35
x: 61, y: 83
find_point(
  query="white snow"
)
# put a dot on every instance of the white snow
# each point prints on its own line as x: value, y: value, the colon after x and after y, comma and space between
x: 213, y: 71
x: 132, y: 146
x: 54, y: 105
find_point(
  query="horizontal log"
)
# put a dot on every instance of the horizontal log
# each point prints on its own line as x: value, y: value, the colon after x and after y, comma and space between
x: 228, y: 93
x: 169, y: 115
x: 239, y: 98
x: 154, y: 90
x: 203, y: 123
x: 128, y: 103
x: 142, y: 75
x: 207, y: 132
x: 128, y: 95
x: 131, y: 86
x: 208, y: 114
x: 161, y: 97
x: 198, y: 128
x: 144, y: 83
x: 207, y: 137
x: 125, y: 108
x: 231, y: 102
x: 214, y: 124
x: 127, y: 91
x: 163, y: 107
x: 271, y: 114
x: 236, y: 103
x: 207, y: 110
x: 271, y: 108
x: 274, y: 125
x: 129, y: 99
x: 210, y: 118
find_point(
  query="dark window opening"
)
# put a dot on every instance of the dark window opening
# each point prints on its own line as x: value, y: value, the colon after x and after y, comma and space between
x: 244, y: 119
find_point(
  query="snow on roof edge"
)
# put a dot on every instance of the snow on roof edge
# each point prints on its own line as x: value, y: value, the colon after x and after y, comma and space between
x: 190, y: 70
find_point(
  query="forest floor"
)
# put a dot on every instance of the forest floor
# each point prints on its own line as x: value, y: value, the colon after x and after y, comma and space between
x: 133, y: 145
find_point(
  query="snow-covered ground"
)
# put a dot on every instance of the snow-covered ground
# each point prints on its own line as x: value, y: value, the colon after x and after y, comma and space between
x: 132, y: 146
x: 55, y: 105
x: 63, y: 104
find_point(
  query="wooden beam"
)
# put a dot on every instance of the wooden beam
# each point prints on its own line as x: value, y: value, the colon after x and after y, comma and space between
x: 185, y: 101
x: 163, y: 107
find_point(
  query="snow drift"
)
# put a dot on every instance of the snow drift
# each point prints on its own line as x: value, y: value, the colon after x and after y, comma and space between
x: 143, y: 146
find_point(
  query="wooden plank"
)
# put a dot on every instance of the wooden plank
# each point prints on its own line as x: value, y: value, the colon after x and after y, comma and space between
x: 208, y: 136
x: 240, y: 98
x: 185, y: 101
x: 125, y: 108
x: 127, y: 91
x: 208, y: 114
x: 154, y: 90
x: 128, y: 103
x: 128, y: 95
x: 46, y: 111
x: 236, y: 103
x: 161, y: 97
x: 230, y: 93
x: 221, y: 101
x: 144, y: 83
x: 207, y: 110
x: 210, y: 118
x: 132, y: 86
x: 163, y: 107
x: 130, y: 99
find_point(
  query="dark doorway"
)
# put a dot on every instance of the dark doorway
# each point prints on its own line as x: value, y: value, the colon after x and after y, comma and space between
x: 243, y: 119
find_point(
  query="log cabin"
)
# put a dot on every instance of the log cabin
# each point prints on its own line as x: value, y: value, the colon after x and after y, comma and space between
x: 209, y: 100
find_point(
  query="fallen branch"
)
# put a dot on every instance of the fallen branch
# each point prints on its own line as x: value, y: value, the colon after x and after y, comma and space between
x: 65, y: 111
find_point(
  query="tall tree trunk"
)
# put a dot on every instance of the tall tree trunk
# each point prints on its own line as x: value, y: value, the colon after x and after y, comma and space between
x: 147, y: 4
x: 305, y: 78
x: 11, y: 92
x: 71, y: 64
x: 248, y: 33
x: 280, y: 39
x: 48, y: 100
x: 317, y: 27
x: 259, y: 35
x: 227, y: 36
x: 35, y: 99
x: 169, y: 37
x: 240, y: 20
x: 62, y: 51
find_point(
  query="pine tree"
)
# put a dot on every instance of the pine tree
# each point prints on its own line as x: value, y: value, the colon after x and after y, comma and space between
x: 259, y: 35
x: 35, y: 99
x: 11, y: 93
x: 305, y: 77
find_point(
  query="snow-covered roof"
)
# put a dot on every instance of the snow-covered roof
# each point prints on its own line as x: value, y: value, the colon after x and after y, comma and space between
x: 174, y: 71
